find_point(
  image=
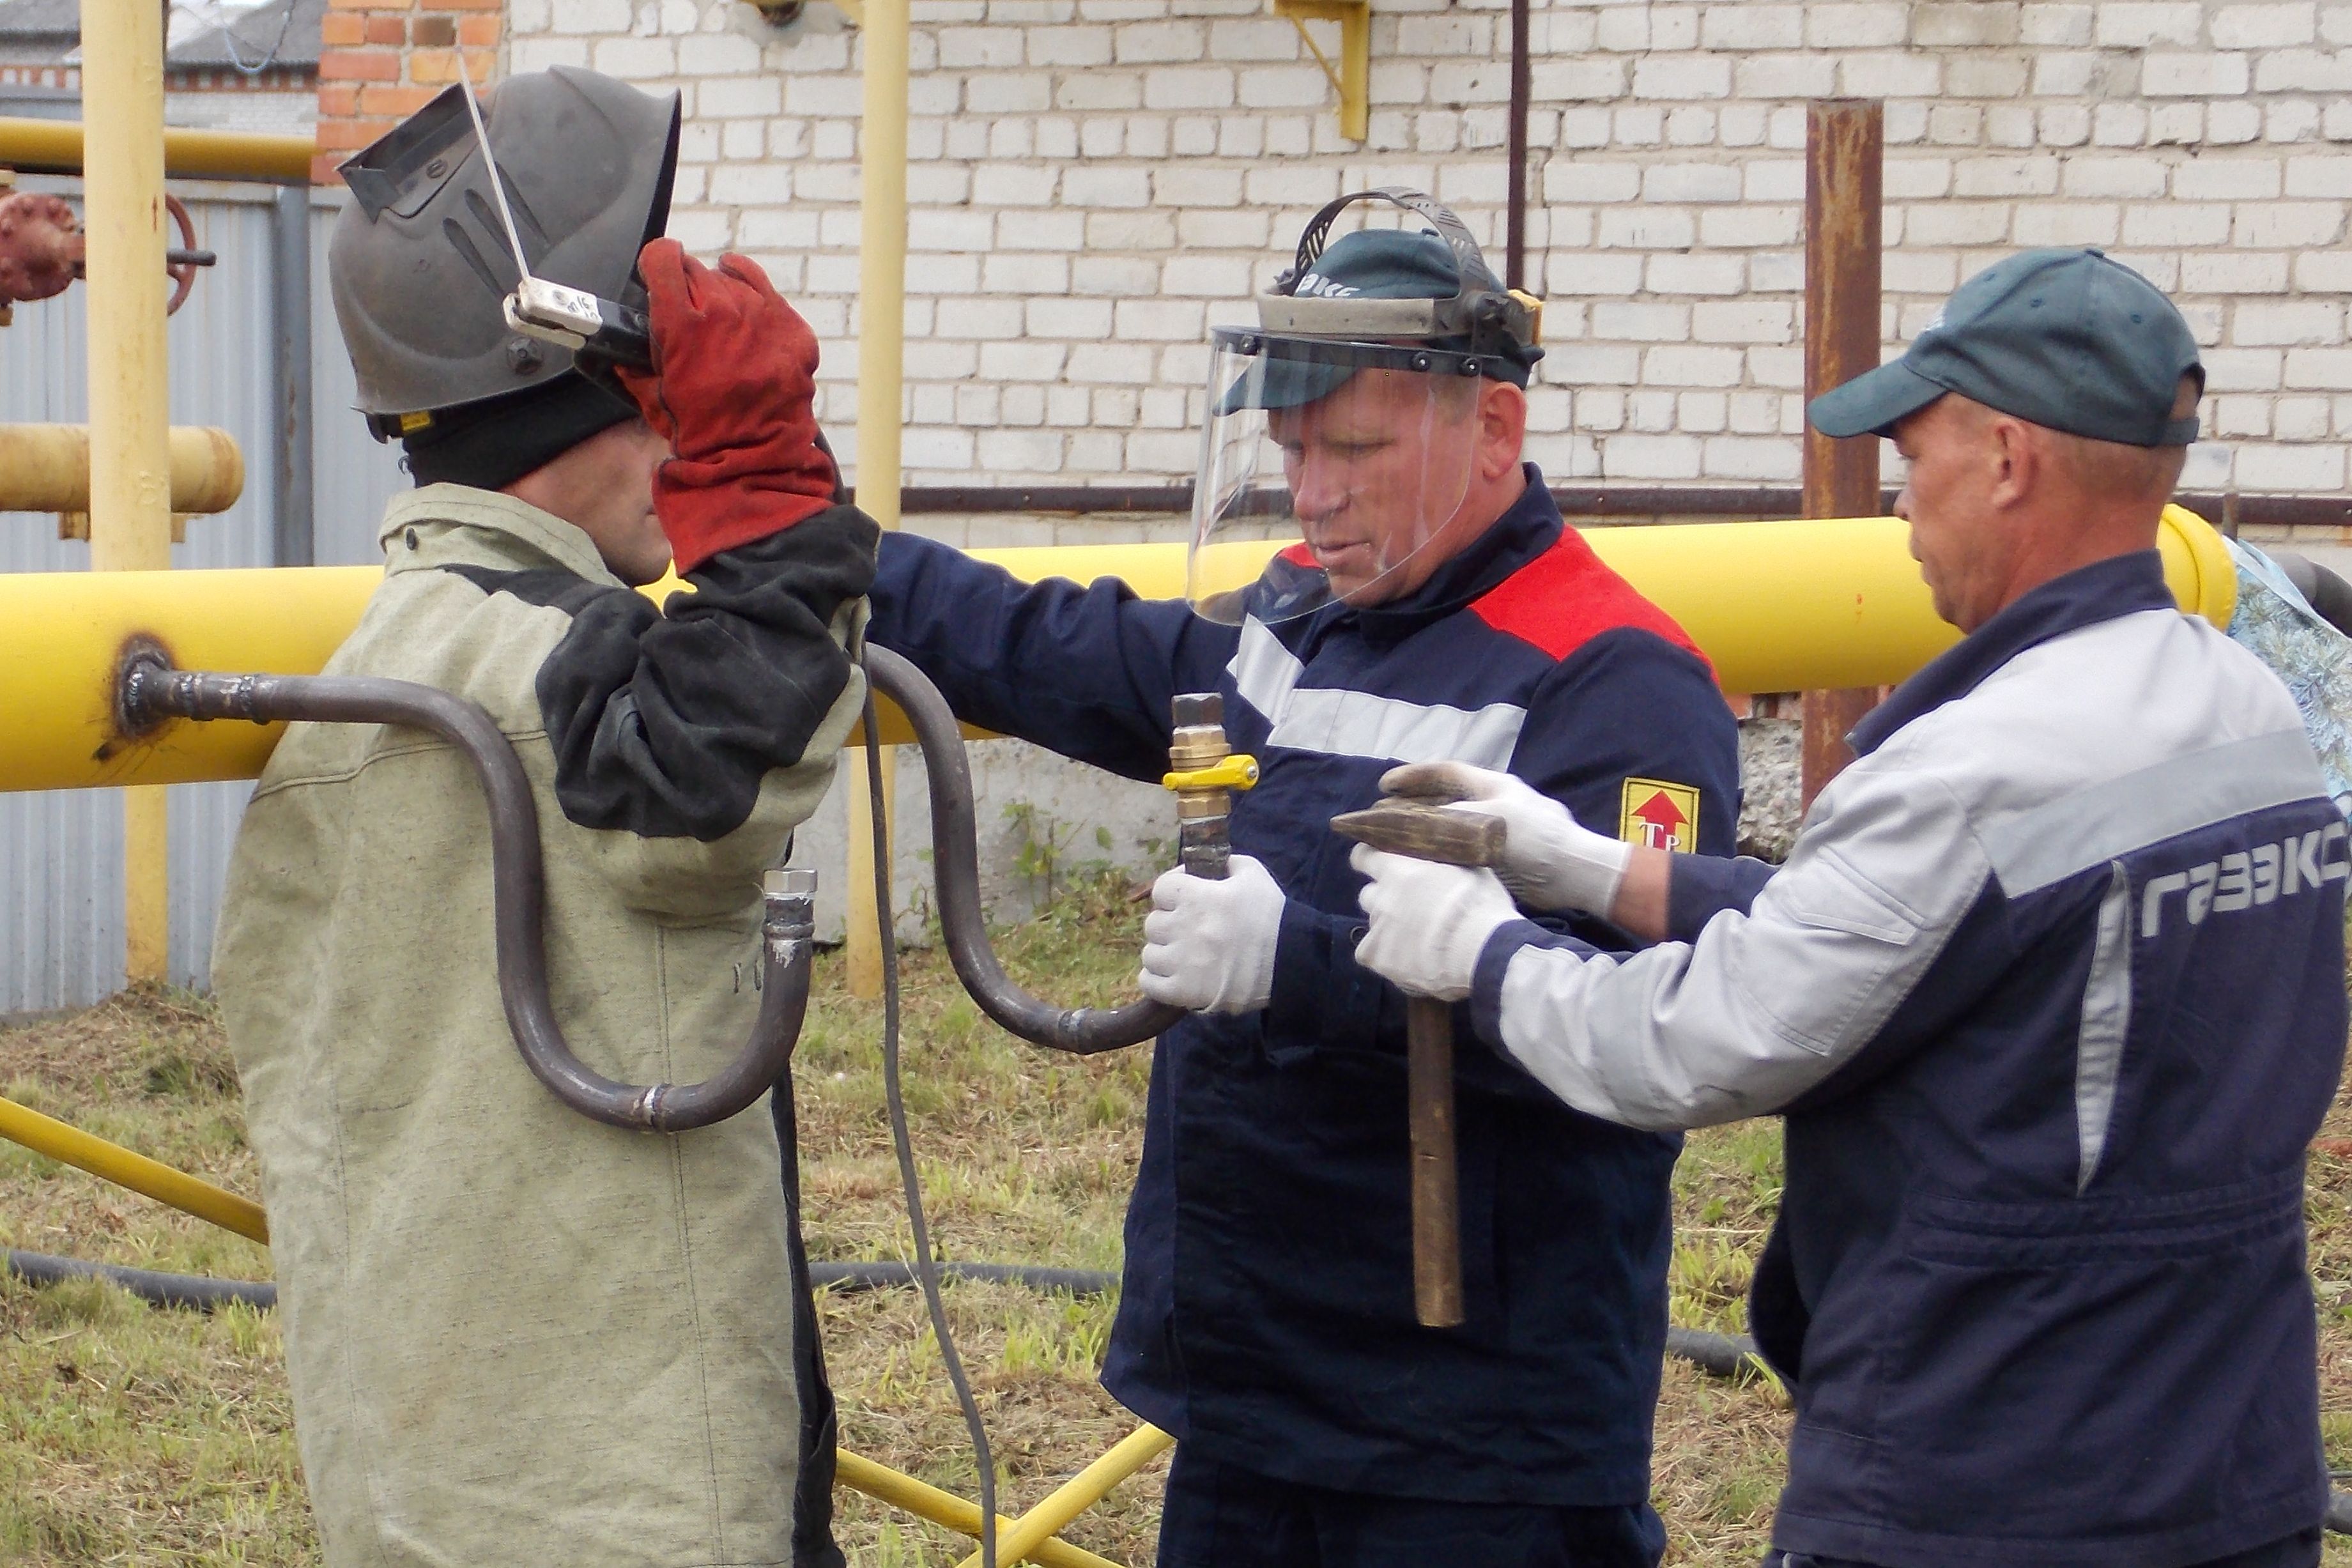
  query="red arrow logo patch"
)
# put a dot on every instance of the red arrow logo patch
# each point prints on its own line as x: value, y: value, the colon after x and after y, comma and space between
x: 1659, y: 815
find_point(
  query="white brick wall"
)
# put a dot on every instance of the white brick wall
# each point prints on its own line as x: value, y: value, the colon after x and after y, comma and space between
x: 1097, y: 182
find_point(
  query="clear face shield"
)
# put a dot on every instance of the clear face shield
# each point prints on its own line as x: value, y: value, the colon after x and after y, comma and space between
x: 1331, y: 471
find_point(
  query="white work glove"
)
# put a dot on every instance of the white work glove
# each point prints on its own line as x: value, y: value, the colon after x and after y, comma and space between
x: 1430, y: 922
x: 1208, y: 947
x: 1550, y: 862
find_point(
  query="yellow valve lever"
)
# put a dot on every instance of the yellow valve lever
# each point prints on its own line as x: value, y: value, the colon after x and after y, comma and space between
x: 1236, y: 772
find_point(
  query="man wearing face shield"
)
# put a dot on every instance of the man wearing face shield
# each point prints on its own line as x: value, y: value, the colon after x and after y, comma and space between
x: 1376, y: 576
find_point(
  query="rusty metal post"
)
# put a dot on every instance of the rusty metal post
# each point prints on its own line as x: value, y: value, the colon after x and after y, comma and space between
x: 1845, y: 155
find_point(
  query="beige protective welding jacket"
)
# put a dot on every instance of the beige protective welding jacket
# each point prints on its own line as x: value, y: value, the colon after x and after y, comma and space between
x: 516, y: 1336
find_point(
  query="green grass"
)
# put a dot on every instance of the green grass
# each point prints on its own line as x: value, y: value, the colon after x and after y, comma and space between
x: 133, y: 1435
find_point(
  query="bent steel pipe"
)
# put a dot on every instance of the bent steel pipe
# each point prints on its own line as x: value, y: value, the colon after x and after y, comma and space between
x: 150, y: 692
x: 955, y: 848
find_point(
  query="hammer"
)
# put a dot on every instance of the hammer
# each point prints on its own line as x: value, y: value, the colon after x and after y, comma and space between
x: 1429, y: 832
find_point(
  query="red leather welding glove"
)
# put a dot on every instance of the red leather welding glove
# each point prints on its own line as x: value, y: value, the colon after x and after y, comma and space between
x: 732, y: 391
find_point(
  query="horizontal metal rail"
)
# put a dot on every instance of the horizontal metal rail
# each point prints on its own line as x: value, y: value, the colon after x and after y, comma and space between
x: 1614, y: 502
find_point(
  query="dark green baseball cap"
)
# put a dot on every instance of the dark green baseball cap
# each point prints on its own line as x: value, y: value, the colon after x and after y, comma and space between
x: 1369, y: 263
x: 2066, y: 338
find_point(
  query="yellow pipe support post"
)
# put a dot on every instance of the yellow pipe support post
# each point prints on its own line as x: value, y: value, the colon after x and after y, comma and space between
x: 54, y: 146
x: 925, y: 1500
x: 881, y: 369
x: 1077, y: 1494
x: 130, y: 417
x: 46, y: 468
x: 149, y: 1178
x: 1778, y: 606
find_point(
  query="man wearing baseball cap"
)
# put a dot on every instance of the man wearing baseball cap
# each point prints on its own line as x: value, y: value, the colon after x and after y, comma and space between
x: 2050, y: 992
x: 1430, y: 605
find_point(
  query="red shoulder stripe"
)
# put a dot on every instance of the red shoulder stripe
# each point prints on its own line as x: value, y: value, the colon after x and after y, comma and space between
x: 1567, y: 596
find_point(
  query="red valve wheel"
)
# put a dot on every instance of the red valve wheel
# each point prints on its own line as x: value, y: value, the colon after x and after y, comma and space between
x: 182, y: 273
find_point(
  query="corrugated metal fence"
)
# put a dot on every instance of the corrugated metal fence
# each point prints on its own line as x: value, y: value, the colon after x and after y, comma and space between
x: 62, y: 854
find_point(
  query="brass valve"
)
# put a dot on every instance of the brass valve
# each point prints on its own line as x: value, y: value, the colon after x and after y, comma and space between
x: 1205, y: 771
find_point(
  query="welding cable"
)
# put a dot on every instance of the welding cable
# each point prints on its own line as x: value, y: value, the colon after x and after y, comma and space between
x: 926, y: 1267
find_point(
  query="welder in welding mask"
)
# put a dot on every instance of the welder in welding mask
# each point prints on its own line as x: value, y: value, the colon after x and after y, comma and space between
x: 1377, y: 574
x: 515, y: 1335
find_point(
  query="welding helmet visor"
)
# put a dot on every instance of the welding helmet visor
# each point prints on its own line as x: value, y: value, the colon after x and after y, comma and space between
x: 1328, y: 471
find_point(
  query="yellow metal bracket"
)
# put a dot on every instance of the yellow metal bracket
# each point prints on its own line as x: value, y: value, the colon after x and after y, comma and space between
x: 1353, y: 79
x: 1236, y: 772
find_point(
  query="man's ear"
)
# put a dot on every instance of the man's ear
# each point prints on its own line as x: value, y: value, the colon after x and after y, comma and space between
x: 2014, y: 457
x: 1502, y: 427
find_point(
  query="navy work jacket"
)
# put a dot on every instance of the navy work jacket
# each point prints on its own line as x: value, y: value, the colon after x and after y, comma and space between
x: 2051, y: 992
x: 1268, y: 1311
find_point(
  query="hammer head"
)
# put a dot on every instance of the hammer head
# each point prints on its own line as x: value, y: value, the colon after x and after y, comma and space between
x: 1426, y: 832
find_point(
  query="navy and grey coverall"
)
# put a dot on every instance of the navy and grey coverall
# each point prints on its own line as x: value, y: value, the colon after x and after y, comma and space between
x: 2051, y: 992
x: 1268, y: 1319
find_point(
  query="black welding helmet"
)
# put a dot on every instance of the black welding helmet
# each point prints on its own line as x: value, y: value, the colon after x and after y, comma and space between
x: 1341, y: 430
x: 420, y: 265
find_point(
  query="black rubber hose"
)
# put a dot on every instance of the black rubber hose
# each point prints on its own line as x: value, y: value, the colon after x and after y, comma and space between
x: 955, y: 849
x: 150, y: 693
x: 198, y: 1293
x: 1724, y: 1355
x: 190, y: 1291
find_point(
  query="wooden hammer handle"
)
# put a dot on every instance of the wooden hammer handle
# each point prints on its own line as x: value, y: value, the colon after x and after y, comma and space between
x: 1436, y: 1203
x: 1427, y: 831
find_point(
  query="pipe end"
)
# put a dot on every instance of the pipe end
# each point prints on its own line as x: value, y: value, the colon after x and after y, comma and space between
x: 789, y: 896
x: 139, y: 666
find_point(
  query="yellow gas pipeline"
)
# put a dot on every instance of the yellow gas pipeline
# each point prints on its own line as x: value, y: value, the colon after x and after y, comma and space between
x: 1778, y: 606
